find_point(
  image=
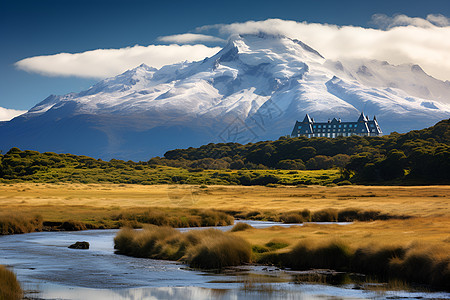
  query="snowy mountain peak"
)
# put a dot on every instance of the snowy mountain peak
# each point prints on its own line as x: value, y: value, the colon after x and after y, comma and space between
x: 255, y: 88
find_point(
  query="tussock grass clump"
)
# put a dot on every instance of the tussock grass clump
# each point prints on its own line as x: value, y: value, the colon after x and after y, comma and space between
x: 9, y: 286
x: 334, y: 255
x: 241, y: 227
x: 219, y: 250
x: 296, y: 216
x: 422, y: 266
x: 174, y: 217
x: 325, y: 215
x: 19, y: 224
x: 354, y: 214
x: 206, y: 249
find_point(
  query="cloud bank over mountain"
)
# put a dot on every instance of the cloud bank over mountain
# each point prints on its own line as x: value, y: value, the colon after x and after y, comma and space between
x: 7, y: 114
x: 103, y: 63
x: 398, y: 39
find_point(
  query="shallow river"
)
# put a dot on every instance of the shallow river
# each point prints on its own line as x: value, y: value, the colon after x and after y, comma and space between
x: 47, y: 269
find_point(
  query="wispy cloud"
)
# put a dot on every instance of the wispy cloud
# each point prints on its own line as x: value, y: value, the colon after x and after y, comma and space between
x: 400, y: 40
x: 188, y: 38
x: 103, y: 63
x: 8, y: 114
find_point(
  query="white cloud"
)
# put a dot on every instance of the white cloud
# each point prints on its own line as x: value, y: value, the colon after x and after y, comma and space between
x: 103, y: 63
x: 419, y: 41
x: 386, y: 22
x: 188, y: 38
x: 400, y: 39
x: 8, y: 114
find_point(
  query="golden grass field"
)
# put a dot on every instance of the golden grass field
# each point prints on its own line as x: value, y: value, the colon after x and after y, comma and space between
x: 427, y: 232
x: 56, y: 201
x: 428, y: 204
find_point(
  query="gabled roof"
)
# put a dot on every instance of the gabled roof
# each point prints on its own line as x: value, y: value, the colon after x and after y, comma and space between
x: 362, y: 118
x: 307, y: 119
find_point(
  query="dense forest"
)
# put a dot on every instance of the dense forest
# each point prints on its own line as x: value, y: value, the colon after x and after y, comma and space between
x: 420, y: 157
x: 417, y: 155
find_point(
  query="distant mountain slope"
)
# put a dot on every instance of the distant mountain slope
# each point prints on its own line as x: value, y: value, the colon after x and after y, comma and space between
x: 255, y: 88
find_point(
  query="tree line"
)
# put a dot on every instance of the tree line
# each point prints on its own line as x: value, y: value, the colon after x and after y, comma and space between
x: 420, y: 156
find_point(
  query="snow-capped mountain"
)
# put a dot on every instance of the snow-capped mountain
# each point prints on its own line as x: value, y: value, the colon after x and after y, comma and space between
x: 255, y: 88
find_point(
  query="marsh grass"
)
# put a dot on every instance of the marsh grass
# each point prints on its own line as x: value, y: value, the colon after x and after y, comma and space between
x: 21, y: 223
x: 414, y: 263
x: 174, y: 217
x: 9, y: 286
x: 322, y: 215
x: 205, y: 249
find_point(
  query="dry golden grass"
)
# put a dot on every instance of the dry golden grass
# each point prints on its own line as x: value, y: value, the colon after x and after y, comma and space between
x: 9, y: 286
x: 429, y: 204
x: 433, y: 233
x: 207, y: 249
x: 52, y: 199
x: 428, y: 232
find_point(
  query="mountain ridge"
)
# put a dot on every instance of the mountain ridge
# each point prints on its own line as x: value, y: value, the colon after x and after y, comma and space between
x: 255, y: 88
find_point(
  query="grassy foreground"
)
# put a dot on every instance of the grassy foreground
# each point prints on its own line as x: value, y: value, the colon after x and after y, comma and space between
x: 9, y: 286
x: 426, y: 234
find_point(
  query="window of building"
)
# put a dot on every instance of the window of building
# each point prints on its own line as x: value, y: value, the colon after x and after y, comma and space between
x: 350, y: 125
x: 339, y: 126
x: 319, y: 126
x: 334, y: 126
x: 345, y: 125
x: 314, y: 126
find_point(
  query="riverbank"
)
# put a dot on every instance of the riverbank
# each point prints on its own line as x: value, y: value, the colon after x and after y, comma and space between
x: 48, y: 269
x: 396, y: 256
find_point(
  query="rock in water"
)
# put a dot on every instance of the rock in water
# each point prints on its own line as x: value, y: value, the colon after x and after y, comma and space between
x: 80, y: 245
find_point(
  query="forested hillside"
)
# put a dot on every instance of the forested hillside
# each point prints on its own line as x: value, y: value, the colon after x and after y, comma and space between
x: 419, y: 157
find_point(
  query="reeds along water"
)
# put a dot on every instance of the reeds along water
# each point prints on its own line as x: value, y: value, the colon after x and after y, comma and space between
x: 207, y: 249
x: 412, y: 264
x: 9, y: 286
x: 19, y: 224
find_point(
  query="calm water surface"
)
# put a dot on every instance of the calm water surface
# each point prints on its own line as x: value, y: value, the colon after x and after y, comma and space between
x: 47, y: 269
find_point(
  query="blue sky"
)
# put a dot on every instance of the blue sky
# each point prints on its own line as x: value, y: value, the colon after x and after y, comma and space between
x: 47, y: 27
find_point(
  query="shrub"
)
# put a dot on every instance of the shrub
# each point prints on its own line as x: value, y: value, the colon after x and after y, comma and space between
x: 344, y: 182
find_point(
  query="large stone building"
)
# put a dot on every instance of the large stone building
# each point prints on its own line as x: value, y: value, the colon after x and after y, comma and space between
x: 335, y: 127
